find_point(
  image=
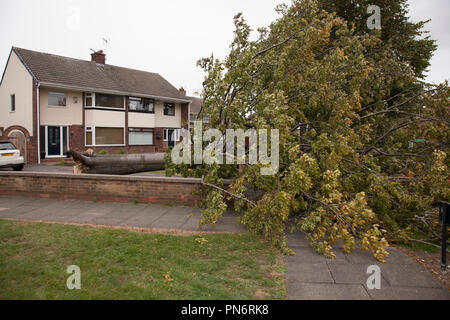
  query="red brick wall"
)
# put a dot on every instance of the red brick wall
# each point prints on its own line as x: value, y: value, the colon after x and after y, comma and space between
x: 162, y: 190
x: 76, y: 137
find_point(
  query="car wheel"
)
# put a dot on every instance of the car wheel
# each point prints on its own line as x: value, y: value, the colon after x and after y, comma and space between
x: 18, y: 167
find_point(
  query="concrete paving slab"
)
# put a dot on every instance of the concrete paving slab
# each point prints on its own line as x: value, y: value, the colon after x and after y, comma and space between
x: 326, y: 291
x: 169, y: 222
x: 11, y: 202
x: 398, y: 257
x: 353, y: 273
x: 63, y: 215
x: 306, y: 255
x: 410, y: 293
x: 226, y: 224
x: 308, y: 272
x: 16, y: 211
x: 361, y: 257
x: 409, y: 275
x: 146, y: 217
x: 191, y: 223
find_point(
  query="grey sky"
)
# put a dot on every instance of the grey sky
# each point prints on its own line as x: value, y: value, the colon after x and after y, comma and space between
x: 167, y: 37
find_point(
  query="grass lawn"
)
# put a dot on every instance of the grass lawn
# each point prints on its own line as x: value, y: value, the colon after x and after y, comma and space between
x: 120, y: 264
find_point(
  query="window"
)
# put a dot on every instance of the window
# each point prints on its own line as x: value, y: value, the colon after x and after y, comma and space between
x: 140, y: 136
x: 89, y: 136
x: 171, y: 134
x: 108, y: 101
x: 108, y: 136
x: 88, y: 99
x: 169, y: 109
x: 102, y: 100
x: 57, y: 99
x: 192, y: 116
x: 141, y: 104
x: 206, y: 118
x: 13, y: 103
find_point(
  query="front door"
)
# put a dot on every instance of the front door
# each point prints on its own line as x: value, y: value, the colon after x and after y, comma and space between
x: 54, y: 141
x: 170, y: 137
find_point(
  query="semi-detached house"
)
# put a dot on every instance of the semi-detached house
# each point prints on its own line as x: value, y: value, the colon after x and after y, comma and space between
x: 50, y: 104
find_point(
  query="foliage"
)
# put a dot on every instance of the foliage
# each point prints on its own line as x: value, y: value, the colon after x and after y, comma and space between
x: 363, y: 142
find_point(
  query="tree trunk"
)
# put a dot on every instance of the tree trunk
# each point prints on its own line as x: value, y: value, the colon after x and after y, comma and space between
x: 118, y: 163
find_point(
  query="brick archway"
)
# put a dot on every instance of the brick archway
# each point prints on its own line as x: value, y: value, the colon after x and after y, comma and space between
x: 18, y: 128
x: 21, y: 139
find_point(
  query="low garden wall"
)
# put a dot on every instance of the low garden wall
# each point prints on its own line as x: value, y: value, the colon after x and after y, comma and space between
x: 105, y: 188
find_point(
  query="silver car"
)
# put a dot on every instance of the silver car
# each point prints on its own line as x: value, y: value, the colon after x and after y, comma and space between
x: 10, y: 156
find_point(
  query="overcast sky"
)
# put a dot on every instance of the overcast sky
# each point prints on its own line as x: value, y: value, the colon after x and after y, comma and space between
x: 166, y: 37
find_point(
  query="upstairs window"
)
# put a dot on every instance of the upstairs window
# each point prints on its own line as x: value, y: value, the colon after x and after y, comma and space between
x: 102, y: 100
x: 13, y: 102
x: 109, y: 101
x: 141, y: 105
x: 169, y: 109
x: 57, y: 99
x: 88, y: 99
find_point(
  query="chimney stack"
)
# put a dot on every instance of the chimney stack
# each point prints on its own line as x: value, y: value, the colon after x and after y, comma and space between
x: 182, y: 91
x: 98, y: 57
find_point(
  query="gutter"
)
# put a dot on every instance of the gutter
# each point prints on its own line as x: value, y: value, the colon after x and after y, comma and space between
x: 86, y: 89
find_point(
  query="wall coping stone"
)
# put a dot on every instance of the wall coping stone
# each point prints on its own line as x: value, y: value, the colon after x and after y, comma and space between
x: 101, y: 177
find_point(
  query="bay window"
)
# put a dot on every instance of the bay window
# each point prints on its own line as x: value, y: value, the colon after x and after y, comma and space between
x: 103, y: 100
x: 104, y: 136
x: 141, y: 105
x: 140, y: 136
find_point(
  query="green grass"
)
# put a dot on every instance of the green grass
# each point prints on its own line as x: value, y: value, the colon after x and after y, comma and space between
x: 419, y: 246
x: 158, y: 172
x: 120, y: 264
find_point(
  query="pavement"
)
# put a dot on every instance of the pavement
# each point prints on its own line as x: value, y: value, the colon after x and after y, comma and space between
x: 309, y: 275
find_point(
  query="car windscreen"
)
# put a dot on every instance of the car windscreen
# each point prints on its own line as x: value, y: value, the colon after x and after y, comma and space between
x: 7, y: 146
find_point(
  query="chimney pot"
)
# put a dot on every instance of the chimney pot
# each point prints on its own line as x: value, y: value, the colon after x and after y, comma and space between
x: 182, y: 91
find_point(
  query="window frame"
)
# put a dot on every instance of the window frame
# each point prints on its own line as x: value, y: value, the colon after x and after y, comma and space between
x: 12, y: 105
x: 61, y: 141
x: 164, y: 109
x: 177, y: 133
x: 134, y: 98
x: 93, y: 96
x: 136, y: 129
x: 56, y: 93
x: 92, y: 129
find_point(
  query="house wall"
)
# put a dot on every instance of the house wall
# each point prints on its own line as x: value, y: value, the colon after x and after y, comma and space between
x: 71, y: 114
x: 141, y: 120
x: 104, y: 118
x: 16, y: 80
x: 163, y: 121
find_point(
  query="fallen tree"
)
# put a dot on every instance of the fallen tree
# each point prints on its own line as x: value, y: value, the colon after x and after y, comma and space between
x: 117, y: 163
x: 363, y: 141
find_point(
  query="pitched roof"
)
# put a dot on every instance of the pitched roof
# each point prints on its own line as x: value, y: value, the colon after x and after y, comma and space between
x: 50, y: 68
x: 196, y: 104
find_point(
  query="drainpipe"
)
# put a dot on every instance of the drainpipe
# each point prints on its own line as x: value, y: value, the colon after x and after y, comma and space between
x: 38, y: 125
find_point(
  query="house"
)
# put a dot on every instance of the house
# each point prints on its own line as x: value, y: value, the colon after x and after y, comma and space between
x: 194, y: 110
x: 50, y: 104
